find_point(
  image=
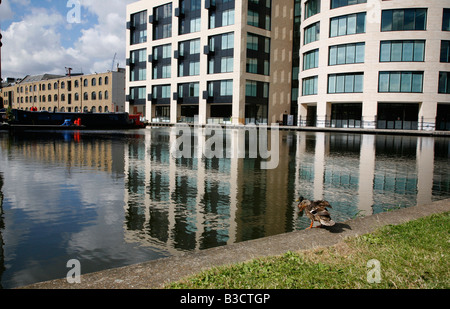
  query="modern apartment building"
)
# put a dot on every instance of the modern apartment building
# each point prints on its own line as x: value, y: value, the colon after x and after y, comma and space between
x: 211, y: 61
x: 102, y: 92
x: 375, y: 64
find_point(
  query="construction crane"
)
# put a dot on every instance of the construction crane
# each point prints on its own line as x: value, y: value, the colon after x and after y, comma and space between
x: 113, y: 62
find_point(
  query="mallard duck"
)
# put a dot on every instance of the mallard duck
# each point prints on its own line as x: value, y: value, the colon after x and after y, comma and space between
x: 316, y: 211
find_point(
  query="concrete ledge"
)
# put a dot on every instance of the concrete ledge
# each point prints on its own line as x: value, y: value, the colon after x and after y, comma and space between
x: 154, y: 274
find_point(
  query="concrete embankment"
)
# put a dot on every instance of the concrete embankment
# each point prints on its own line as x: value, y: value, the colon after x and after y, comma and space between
x: 154, y: 274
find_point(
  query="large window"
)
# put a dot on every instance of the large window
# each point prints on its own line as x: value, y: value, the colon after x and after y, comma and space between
x: 220, y: 91
x: 309, y: 85
x: 446, y: 20
x: 222, y: 14
x: 444, y: 82
x: 346, y: 54
x: 138, y: 65
x: 137, y: 95
x: 391, y: 51
x: 404, y: 19
x: 189, y: 18
x: 445, y: 51
x: 258, y: 54
x: 161, y: 58
x: 188, y: 93
x: 138, y: 28
x: 161, y: 94
x: 400, y: 82
x: 189, y: 58
x: 348, y: 24
x: 259, y: 13
x: 312, y: 33
x: 312, y: 7
x: 221, y: 55
x: 346, y: 83
x: 162, y: 21
x: 338, y: 3
x: 311, y: 59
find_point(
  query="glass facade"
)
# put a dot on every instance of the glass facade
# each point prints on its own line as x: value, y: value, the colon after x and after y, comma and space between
x: 391, y: 51
x: 400, y: 82
x: 346, y: 53
x: 404, y: 19
x: 348, y: 24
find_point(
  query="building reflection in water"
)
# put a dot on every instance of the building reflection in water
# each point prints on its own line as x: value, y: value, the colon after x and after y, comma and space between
x: 190, y: 203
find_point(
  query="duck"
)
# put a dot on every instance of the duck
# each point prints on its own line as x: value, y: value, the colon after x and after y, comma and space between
x: 316, y: 211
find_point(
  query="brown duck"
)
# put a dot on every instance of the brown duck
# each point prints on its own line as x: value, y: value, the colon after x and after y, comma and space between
x: 316, y: 211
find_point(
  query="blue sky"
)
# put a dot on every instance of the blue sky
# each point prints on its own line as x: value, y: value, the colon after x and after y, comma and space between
x: 45, y: 36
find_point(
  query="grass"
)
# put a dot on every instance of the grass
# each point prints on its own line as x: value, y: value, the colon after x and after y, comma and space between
x: 414, y: 255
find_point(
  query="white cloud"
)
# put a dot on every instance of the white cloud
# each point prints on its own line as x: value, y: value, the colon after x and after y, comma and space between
x: 34, y: 45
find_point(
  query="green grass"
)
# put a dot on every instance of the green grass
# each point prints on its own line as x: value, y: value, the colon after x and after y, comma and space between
x: 414, y: 255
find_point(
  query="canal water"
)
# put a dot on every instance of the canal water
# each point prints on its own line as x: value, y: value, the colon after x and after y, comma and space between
x: 110, y: 199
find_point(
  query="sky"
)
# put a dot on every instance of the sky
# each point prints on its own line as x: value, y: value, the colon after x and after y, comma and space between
x: 46, y: 36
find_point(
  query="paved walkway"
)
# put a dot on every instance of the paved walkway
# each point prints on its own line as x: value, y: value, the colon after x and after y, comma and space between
x: 154, y: 274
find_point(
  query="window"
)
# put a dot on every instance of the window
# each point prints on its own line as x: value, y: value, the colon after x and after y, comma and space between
x: 446, y: 20
x: 138, y: 29
x: 93, y: 95
x: 222, y: 14
x: 188, y: 92
x: 258, y: 54
x: 220, y: 91
x: 400, y: 82
x: 138, y: 65
x: 162, y: 21
x: 221, y: 61
x: 348, y: 24
x: 312, y: 7
x: 312, y: 33
x: 445, y: 51
x: 189, y: 58
x: 161, y: 94
x: 311, y: 59
x: 137, y: 95
x: 403, y: 19
x: 346, y: 54
x: 391, y: 51
x: 444, y: 82
x: 339, y: 3
x: 94, y: 83
x: 189, y: 20
x: 346, y: 83
x: 162, y: 61
x: 309, y: 86
x: 260, y: 14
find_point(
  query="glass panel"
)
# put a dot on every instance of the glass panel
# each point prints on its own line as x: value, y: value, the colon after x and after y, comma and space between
x: 359, y: 82
x: 333, y: 55
x: 394, y: 82
x: 417, y: 82
x: 396, y: 54
x: 385, y: 51
x: 386, y: 20
x: 419, y: 51
x: 349, y: 80
x: 361, y: 26
x: 341, y: 54
x: 340, y: 83
x: 406, y: 82
x: 351, y: 24
x: 331, y: 83
x: 398, y: 17
x: 408, y: 51
x: 421, y: 19
x: 409, y: 19
x: 334, y: 27
x: 351, y: 49
x: 342, y: 25
x: 360, y: 53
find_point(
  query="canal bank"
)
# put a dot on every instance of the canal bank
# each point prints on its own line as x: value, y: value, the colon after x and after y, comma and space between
x: 155, y: 274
